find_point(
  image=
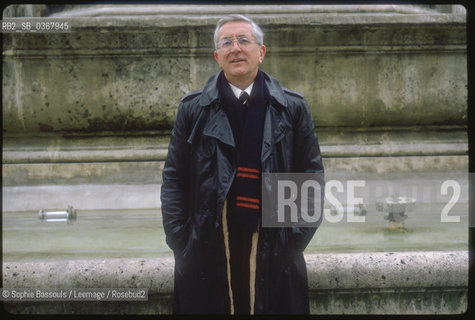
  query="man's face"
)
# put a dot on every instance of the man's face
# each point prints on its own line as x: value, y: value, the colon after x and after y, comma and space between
x: 239, y: 62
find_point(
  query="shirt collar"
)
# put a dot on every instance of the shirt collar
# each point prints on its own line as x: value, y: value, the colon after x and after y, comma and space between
x: 237, y: 91
x: 210, y: 93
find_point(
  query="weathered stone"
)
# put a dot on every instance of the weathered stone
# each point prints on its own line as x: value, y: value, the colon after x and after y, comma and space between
x: 135, y: 196
x: 386, y: 85
x: 112, y: 73
x: 139, y: 158
x: 363, y: 283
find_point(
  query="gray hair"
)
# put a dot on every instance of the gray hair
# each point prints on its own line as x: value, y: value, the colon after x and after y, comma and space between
x: 256, y: 30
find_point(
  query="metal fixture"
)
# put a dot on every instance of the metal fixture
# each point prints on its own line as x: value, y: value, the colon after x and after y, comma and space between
x: 396, y: 209
x: 358, y: 209
x: 58, y: 216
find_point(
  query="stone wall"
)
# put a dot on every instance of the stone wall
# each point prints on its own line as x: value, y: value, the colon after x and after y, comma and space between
x: 386, y: 85
x: 120, y: 69
x: 362, y: 283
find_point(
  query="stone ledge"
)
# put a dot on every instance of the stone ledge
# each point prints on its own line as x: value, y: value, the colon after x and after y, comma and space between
x: 123, y: 172
x: 280, y: 14
x: 81, y: 197
x: 374, y: 270
x: 389, y: 276
x: 383, y: 270
x: 149, y: 172
x: 119, y: 10
x: 55, y: 148
x: 160, y: 154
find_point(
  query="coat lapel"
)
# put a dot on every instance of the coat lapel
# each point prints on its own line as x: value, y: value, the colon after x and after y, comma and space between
x: 275, y: 127
x: 274, y: 131
x: 219, y: 127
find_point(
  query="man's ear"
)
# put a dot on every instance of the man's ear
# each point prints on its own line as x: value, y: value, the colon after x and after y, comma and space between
x: 262, y: 53
x: 216, y: 57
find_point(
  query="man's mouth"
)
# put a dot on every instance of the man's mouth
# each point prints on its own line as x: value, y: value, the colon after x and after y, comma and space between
x: 237, y: 60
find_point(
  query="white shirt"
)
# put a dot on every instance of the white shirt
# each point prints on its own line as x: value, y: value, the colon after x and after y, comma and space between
x: 237, y: 91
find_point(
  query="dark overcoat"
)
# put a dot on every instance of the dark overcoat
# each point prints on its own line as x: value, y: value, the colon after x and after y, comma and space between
x: 197, y: 176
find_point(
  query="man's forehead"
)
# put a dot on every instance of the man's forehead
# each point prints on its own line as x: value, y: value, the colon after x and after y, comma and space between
x: 235, y: 28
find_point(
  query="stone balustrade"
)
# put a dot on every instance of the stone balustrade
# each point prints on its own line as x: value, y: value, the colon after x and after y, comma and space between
x: 354, y: 283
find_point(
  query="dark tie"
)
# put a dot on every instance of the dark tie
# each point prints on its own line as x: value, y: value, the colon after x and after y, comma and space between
x: 243, y: 97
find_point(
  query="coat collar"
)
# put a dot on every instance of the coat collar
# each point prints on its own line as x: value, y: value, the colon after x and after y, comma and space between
x: 219, y: 127
x: 210, y: 90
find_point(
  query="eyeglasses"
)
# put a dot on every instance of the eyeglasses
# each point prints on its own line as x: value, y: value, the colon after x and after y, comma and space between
x: 227, y: 42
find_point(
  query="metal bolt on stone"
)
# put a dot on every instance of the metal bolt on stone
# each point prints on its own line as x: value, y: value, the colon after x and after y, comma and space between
x: 396, y: 208
x: 58, y: 216
x: 358, y: 209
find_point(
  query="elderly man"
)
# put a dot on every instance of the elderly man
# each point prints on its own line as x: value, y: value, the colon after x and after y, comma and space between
x: 241, y: 124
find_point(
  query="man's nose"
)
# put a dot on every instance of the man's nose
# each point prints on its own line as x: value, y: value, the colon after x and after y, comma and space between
x: 235, y: 47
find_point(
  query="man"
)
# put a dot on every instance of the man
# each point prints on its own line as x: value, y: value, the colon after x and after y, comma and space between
x: 241, y: 124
